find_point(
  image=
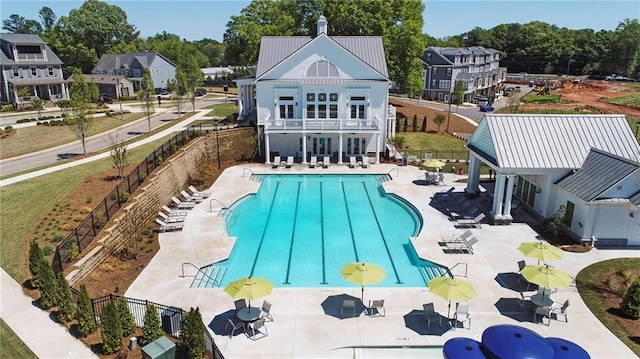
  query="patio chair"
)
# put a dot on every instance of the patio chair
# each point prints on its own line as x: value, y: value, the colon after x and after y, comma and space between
x: 465, y: 246
x: 171, y: 219
x: 276, y: 162
x: 376, y: 308
x: 462, y: 314
x: 257, y: 327
x: 350, y: 304
x: 326, y: 162
x: 169, y: 226
x: 314, y: 162
x: 470, y: 222
x: 365, y: 162
x: 457, y: 237
x: 352, y: 162
x: 525, y: 302
x: 560, y: 310
x: 183, y: 204
x: 429, y: 313
x: 235, y: 324
x: 197, y: 192
x: 289, y: 163
x: 240, y: 304
x: 266, y: 311
x: 521, y: 265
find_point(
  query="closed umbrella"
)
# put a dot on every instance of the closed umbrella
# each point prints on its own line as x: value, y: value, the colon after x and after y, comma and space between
x: 363, y: 273
x: 249, y: 288
x: 452, y: 289
x: 542, y: 251
x: 546, y: 276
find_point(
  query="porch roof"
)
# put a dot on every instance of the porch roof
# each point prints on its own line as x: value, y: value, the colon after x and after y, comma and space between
x: 33, y: 82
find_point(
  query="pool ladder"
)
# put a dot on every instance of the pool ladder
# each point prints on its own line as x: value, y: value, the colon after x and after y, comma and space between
x: 215, y: 283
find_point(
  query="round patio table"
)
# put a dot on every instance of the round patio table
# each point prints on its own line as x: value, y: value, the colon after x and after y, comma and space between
x: 249, y: 314
x: 462, y: 348
x: 564, y: 349
x: 512, y: 341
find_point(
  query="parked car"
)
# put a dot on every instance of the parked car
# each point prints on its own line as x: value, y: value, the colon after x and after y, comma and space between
x: 105, y: 99
x: 486, y: 108
x: 508, y: 91
x: 576, y: 80
x: 200, y: 91
x: 522, y: 75
x: 161, y: 91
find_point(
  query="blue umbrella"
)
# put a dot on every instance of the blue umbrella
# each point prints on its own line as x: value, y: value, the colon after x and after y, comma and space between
x: 512, y: 341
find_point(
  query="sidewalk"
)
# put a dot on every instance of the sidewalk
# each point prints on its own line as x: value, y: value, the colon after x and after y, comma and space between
x: 46, y: 338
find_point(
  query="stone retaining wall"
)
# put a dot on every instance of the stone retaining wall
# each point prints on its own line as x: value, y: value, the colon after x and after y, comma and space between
x: 158, y: 189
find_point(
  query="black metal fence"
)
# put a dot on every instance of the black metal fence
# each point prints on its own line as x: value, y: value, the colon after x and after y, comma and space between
x: 82, y: 236
x: 445, y: 155
x: 170, y: 318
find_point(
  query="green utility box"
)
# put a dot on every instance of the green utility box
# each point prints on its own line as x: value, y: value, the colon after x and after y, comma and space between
x: 161, y: 348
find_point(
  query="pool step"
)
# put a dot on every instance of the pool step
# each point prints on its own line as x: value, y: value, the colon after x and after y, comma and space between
x: 209, y: 276
x: 431, y: 272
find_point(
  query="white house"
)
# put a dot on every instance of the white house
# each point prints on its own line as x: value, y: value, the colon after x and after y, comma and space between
x: 588, y: 163
x: 320, y: 96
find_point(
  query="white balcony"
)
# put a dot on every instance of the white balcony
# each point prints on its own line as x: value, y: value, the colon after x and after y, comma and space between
x: 321, y: 124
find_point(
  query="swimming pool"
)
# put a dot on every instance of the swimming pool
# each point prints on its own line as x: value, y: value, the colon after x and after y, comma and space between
x: 300, y: 230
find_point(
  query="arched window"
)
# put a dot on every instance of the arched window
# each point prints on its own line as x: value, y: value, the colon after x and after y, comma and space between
x: 322, y: 68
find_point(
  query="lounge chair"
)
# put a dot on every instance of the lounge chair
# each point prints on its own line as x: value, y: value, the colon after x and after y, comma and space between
x: 235, y: 324
x: 266, y: 311
x: 326, y: 162
x: 465, y: 246
x: 365, y: 162
x: 377, y: 308
x: 169, y: 226
x: 190, y: 198
x: 289, y: 163
x: 352, y: 162
x: 174, y: 212
x: 470, y: 222
x: 257, y: 327
x: 429, y: 313
x: 314, y: 162
x: 457, y: 238
x: 199, y: 193
x: 276, y: 162
x: 462, y: 314
x: 171, y: 219
x: 183, y: 204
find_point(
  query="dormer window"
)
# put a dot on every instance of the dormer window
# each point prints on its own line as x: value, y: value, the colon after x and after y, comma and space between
x: 15, y: 72
x: 34, y: 72
x: 322, y: 69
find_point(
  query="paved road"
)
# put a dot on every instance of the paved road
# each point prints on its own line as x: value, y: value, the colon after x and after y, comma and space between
x: 97, y: 142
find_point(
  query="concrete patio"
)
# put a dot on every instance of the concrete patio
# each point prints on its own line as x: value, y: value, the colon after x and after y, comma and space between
x: 302, y: 329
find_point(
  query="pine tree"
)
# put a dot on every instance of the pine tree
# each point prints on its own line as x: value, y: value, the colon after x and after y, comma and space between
x: 35, y: 264
x: 111, y: 329
x: 424, y: 124
x: 84, y: 314
x: 66, y: 307
x: 151, y: 330
x: 191, y: 341
x: 48, y: 286
x: 406, y: 123
x: 415, y: 123
x: 127, y: 320
x: 631, y: 301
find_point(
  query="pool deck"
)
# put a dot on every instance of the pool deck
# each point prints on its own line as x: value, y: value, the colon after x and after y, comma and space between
x: 302, y: 329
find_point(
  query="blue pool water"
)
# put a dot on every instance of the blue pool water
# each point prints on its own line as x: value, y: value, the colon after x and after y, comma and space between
x: 300, y: 230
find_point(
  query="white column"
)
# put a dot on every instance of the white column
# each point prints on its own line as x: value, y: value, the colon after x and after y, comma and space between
x: 498, y: 195
x: 304, y: 148
x: 378, y: 148
x: 506, y: 211
x: 267, y: 148
x: 241, y: 100
x: 340, y: 148
x: 473, y: 175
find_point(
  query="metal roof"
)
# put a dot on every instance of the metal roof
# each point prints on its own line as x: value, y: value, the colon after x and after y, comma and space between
x: 599, y: 172
x: 551, y: 141
x: 275, y: 49
x: 321, y: 81
x: 22, y: 39
x: 116, y: 61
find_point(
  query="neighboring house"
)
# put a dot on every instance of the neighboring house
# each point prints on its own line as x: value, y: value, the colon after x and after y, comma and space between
x: 132, y: 67
x: 477, y: 67
x: 588, y: 163
x: 320, y: 96
x: 27, y: 61
x: 113, y: 86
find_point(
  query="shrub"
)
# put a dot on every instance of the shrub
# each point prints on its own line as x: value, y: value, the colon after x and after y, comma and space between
x: 66, y: 307
x: 84, y: 314
x: 78, y: 217
x: 124, y: 197
x: 67, y: 227
x: 47, y: 251
x: 151, y: 330
x: 89, y: 200
x: 57, y: 237
x: 127, y: 320
x: 86, y: 210
x: 191, y: 342
x: 73, y: 250
x: 8, y: 128
x: 631, y: 301
x: 111, y: 329
x: 36, y: 259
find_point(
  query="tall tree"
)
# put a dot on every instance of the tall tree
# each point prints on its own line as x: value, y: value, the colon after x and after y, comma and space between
x: 625, y: 48
x: 151, y: 330
x: 84, y: 313
x: 118, y: 154
x: 66, y: 306
x: 146, y: 89
x: 47, y: 18
x: 81, y: 124
x: 193, y: 78
x: 213, y: 50
x: 111, y: 328
x: 127, y: 320
x: 191, y: 342
x: 458, y: 93
x: 178, y: 51
x: 36, y: 258
x: 178, y: 88
x: 19, y: 25
x: 48, y: 286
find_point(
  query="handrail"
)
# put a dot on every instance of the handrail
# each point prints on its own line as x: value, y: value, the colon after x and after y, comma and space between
x: 199, y: 270
x: 394, y: 169
x: 466, y: 268
x: 211, y: 204
x: 247, y: 168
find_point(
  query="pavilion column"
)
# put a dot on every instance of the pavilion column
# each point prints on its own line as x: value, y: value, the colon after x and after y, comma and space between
x: 378, y: 148
x: 304, y: 148
x: 498, y: 195
x: 267, y: 148
x: 241, y: 100
x: 340, y: 148
x: 506, y: 211
x: 473, y: 176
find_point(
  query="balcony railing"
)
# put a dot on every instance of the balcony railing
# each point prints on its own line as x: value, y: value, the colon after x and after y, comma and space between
x: 30, y: 57
x: 321, y: 124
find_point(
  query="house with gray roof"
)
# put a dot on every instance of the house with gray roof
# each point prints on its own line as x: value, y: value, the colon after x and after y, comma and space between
x: 478, y: 69
x: 586, y: 163
x: 132, y: 67
x: 319, y: 96
x: 28, y: 62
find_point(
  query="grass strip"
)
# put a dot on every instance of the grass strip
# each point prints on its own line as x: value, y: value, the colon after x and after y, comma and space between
x: 12, y: 346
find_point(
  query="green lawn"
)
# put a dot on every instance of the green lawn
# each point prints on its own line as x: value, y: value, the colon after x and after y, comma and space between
x: 588, y: 285
x: 222, y: 110
x: 11, y: 346
x: 533, y: 97
x: 631, y: 100
x: 41, y: 194
x: 50, y: 136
